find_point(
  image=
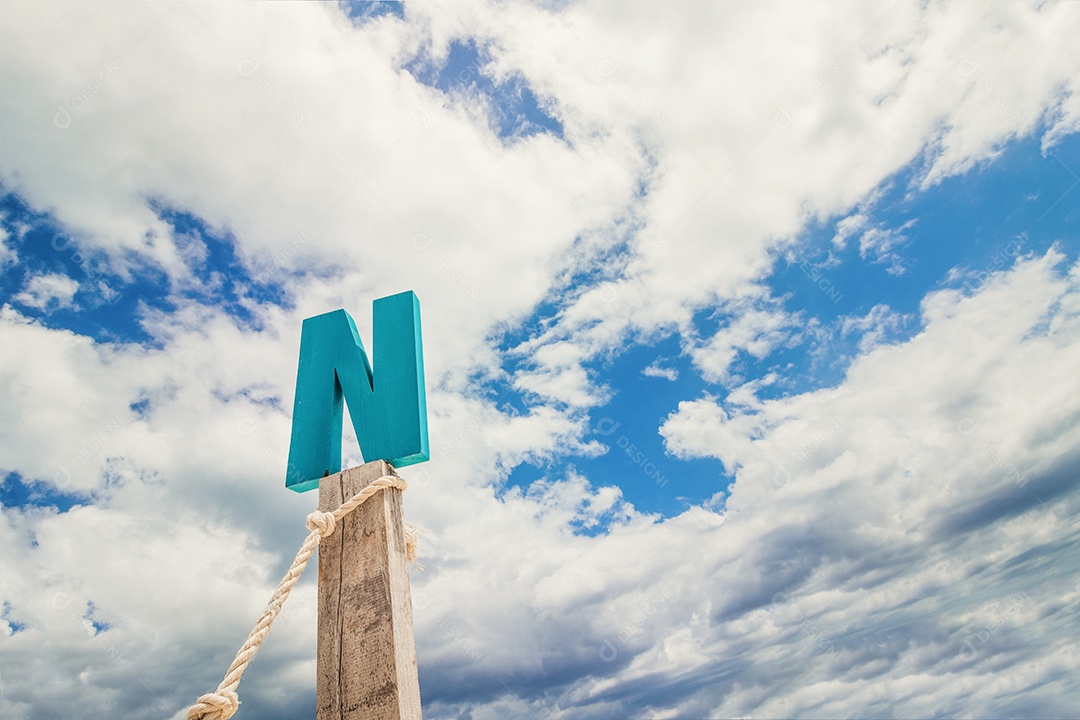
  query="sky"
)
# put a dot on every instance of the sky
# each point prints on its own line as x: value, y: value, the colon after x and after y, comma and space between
x: 750, y: 333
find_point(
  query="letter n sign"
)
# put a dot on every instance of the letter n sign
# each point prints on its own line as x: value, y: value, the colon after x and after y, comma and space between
x: 386, y: 397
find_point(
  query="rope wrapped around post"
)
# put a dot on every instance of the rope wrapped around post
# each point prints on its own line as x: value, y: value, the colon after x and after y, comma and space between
x: 223, y: 702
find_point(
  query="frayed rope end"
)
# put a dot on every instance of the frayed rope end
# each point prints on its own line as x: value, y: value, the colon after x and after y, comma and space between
x: 412, y: 543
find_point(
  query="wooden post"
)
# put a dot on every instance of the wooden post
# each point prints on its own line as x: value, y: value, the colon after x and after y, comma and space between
x: 366, y: 653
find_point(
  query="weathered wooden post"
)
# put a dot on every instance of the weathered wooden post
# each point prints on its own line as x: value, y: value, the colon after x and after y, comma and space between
x: 366, y: 654
x: 366, y: 664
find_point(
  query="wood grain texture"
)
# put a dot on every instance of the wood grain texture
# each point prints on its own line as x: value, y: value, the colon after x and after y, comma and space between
x: 366, y: 652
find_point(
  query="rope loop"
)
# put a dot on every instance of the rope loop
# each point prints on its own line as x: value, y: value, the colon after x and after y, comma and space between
x: 220, y: 705
x: 321, y: 522
x: 223, y: 702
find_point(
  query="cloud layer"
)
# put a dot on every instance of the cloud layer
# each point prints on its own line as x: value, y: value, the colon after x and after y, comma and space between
x: 897, y: 544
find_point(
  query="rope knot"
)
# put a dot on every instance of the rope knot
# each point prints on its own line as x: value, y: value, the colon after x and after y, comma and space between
x: 220, y: 705
x: 321, y: 522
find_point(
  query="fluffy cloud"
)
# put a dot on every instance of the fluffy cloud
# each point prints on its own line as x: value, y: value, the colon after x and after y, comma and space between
x: 914, y: 483
x: 898, y: 543
x: 48, y: 291
x: 7, y: 254
x: 755, y: 124
x: 338, y: 167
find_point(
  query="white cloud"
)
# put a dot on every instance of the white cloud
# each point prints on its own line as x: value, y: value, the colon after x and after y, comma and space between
x: 873, y: 327
x: 655, y: 369
x: 847, y: 227
x: 822, y: 120
x: 7, y: 253
x: 46, y: 292
x: 364, y: 203
x: 876, y: 242
x: 881, y: 244
x: 756, y: 329
x: 922, y: 452
x: 887, y: 510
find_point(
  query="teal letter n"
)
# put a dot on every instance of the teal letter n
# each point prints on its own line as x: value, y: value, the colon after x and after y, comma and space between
x: 386, y: 397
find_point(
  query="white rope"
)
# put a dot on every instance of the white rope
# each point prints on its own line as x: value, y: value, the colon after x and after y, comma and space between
x: 223, y: 702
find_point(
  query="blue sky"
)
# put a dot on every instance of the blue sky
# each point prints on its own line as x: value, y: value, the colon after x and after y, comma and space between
x: 955, y: 232
x: 750, y: 341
